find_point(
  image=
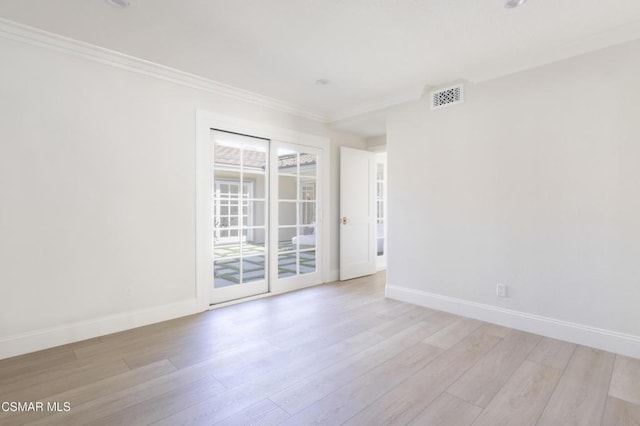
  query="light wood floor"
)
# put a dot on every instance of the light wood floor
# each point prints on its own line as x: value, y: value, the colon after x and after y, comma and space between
x: 334, y: 354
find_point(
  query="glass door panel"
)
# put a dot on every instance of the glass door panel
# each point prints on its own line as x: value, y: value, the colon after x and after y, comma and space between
x: 240, y: 216
x: 307, y: 262
x: 295, y: 216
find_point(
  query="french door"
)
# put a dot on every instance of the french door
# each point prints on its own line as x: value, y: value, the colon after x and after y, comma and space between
x: 266, y: 216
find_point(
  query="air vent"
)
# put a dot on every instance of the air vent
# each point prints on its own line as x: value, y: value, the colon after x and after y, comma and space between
x: 446, y: 97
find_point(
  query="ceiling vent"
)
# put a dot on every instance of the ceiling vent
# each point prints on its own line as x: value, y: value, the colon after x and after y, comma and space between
x: 447, y: 96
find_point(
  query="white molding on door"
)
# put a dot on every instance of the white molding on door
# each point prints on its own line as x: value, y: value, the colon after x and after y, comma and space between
x: 205, y: 121
x: 23, y: 33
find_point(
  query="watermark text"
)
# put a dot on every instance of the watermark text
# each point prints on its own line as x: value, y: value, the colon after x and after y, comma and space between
x: 35, y: 406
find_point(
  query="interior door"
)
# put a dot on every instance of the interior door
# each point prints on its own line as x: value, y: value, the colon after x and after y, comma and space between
x: 296, y: 216
x: 240, y: 216
x: 357, y: 213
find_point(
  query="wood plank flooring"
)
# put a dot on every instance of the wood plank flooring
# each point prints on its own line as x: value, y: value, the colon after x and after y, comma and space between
x: 334, y: 354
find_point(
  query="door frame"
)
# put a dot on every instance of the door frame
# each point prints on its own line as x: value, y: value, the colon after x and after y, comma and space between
x: 205, y: 121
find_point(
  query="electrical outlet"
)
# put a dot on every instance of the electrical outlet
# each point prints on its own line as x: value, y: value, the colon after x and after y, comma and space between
x: 501, y: 290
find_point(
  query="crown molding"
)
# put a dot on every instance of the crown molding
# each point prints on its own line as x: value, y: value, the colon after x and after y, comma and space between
x: 34, y: 36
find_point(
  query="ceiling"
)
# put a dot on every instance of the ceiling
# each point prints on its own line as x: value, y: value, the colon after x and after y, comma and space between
x: 375, y: 53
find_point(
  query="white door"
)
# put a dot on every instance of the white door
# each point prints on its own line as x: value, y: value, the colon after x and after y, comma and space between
x: 296, y: 216
x: 357, y: 213
x: 240, y: 216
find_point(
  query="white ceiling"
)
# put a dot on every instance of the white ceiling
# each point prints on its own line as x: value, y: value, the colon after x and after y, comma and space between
x: 374, y: 52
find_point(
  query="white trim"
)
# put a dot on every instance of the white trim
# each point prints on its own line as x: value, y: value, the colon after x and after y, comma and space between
x: 212, y: 120
x: 612, y: 341
x: 323, y: 214
x: 256, y: 297
x: 205, y: 121
x: 12, y: 30
x: 333, y: 275
x: 241, y: 300
x: 378, y: 149
x: 37, y: 37
x: 32, y: 341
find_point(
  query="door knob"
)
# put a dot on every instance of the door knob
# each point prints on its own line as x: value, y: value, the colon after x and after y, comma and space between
x: 344, y: 220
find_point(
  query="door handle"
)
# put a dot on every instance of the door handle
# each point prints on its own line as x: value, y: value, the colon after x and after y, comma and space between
x: 345, y: 220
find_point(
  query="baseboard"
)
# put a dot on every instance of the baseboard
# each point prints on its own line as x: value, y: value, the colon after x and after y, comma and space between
x: 334, y: 275
x: 32, y: 341
x: 612, y: 341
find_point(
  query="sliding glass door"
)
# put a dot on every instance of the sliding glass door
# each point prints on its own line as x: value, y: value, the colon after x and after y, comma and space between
x: 266, y: 216
x: 240, y: 234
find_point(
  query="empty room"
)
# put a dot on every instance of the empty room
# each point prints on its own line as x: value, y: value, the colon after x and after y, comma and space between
x: 301, y: 212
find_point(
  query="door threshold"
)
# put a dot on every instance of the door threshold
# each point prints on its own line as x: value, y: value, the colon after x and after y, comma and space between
x: 242, y: 299
x: 258, y: 296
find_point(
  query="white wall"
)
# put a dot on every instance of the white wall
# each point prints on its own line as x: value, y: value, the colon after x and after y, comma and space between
x: 533, y: 182
x: 97, y: 193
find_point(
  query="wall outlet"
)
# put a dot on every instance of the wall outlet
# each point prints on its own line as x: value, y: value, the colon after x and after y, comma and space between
x: 501, y: 290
